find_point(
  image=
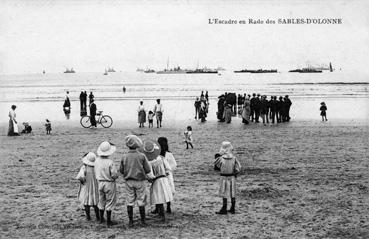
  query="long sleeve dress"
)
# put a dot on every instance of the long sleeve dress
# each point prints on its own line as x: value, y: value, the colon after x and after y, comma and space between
x: 160, y: 191
x: 88, y: 191
x: 13, y: 127
x: 169, y: 158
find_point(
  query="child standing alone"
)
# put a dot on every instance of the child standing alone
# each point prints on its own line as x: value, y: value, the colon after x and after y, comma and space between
x: 323, y: 113
x: 229, y: 168
x: 48, y: 126
x: 88, y: 189
x: 188, y: 137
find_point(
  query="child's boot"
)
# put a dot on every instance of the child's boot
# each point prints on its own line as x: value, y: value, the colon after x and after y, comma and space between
x: 87, y: 210
x: 109, y: 222
x: 232, y: 210
x: 223, y: 210
x: 161, y: 212
x: 169, y: 210
x: 97, y: 213
x: 130, y: 215
x: 101, y: 216
x: 156, y: 210
x: 142, y: 214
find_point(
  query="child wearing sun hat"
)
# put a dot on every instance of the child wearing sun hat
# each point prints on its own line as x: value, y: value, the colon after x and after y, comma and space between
x: 160, y: 190
x: 88, y: 190
x: 106, y: 174
x: 135, y: 167
x: 229, y: 167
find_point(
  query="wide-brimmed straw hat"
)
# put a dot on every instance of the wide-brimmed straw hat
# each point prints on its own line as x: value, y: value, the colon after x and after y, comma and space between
x: 151, y: 149
x: 132, y: 141
x: 226, y: 148
x: 106, y: 148
x: 89, y: 159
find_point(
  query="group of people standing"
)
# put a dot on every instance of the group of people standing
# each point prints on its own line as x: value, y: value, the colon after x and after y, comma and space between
x: 202, y: 106
x: 253, y: 108
x: 145, y: 161
x: 83, y: 101
x: 157, y: 112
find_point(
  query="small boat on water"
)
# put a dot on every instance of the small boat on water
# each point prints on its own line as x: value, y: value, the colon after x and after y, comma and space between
x: 140, y: 70
x: 106, y: 72
x: 111, y: 69
x: 71, y: 70
x: 148, y: 70
x: 257, y: 71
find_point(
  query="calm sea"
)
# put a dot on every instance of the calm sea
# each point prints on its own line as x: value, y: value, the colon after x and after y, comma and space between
x: 39, y: 96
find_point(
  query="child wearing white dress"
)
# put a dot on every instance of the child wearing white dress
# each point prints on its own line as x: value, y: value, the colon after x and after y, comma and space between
x: 160, y: 192
x: 169, y: 158
x: 188, y: 137
x: 88, y: 190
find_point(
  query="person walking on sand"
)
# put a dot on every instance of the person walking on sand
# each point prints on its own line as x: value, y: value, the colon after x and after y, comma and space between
x: 203, y: 109
x: 197, y: 108
x: 169, y: 158
x: 158, y: 112
x: 229, y: 168
x: 141, y: 114
x: 228, y: 113
x: 106, y: 174
x: 160, y: 191
x: 252, y: 106
x: 323, y: 111
x: 135, y: 169
x: 88, y: 193
x: 13, y: 124
x: 220, y: 113
x: 188, y: 137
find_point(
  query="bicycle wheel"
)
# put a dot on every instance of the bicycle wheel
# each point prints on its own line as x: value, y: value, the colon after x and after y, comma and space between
x: 85, y: 121
x: 106, y: 121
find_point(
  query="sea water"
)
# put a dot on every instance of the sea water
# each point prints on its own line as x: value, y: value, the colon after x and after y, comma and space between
x: 41, y: 96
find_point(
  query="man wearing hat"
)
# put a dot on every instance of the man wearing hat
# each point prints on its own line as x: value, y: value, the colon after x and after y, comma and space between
x: 106, y: 174
x: 135, y: 167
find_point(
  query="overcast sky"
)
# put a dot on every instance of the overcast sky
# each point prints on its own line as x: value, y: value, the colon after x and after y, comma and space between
x: 91, y: 35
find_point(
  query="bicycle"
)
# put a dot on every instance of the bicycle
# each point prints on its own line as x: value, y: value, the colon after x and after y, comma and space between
x: 105, y: 120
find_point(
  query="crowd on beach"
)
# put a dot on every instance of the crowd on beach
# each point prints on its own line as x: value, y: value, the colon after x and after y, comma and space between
x: 253, y: 108
x: 146, y: 161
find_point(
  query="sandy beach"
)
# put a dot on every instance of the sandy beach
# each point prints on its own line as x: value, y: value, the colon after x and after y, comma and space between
x: 305, y: 179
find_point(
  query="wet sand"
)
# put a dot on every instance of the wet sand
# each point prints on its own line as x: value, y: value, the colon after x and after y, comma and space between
x: 305, y: 179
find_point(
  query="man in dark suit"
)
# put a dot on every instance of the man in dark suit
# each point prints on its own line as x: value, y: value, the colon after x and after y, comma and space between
x: 288, y: 104
x: 93, y: 113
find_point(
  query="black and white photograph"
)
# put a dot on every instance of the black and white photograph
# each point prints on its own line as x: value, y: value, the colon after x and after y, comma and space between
x: 184, y: 119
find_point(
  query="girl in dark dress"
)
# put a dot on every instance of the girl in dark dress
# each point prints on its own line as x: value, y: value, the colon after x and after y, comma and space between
x: 323, y: 113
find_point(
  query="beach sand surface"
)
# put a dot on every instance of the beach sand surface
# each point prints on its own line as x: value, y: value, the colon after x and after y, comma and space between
x: 306, y: 179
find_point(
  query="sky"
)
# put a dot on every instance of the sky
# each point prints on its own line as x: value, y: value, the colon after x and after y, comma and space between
x: 92, y: 35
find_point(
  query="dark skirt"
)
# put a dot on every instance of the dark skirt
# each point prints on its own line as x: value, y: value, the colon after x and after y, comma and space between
x: 141, y: 116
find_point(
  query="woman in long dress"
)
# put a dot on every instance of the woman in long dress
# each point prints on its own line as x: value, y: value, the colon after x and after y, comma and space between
x: 141, y: 114
x: 203, y: 109
x: 228, y: 113
x: 246, y: 111
x: 13, y: 127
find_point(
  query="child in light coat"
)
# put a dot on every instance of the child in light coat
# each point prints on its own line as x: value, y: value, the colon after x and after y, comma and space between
x: 88, y: 189
x: 229, y: 167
